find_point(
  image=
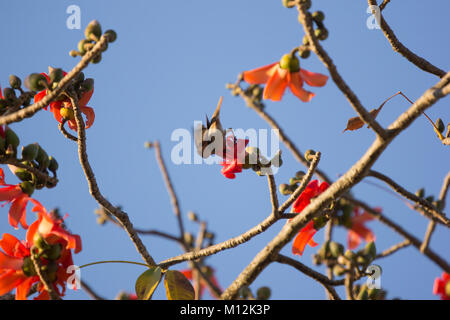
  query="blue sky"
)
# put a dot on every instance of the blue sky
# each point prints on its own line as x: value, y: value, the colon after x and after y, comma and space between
x: 168, y: 68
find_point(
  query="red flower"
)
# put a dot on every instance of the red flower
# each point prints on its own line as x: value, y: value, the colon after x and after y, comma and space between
x: 305, y: 236
x: 51, y: 229
x: 56, y: 106
x: 234, y: 156
x: 13, y: 194
x: 358, y: 230
x: 442, y: 286
x: 209, y: 272
x: 279, y: 75
x: 16, y: 268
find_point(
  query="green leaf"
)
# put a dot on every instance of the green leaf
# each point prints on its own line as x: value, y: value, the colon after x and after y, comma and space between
x: 178, y: 287
x: 147, y: 283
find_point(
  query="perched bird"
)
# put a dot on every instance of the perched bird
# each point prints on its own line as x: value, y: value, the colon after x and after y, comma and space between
x: 210, y: 140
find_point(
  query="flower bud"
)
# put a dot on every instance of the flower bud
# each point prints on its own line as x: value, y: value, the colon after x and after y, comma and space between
x: 93, y: 31
x: 42, y: 159
x: 370, y: 250
x: 362, y: 259
x: 87, y: 85
x: 15, y: 82
x: 97, y: 58
x: 263, y: 293
x: 440, y: 125
x: 111, y: 34
x: 74, y: 53
x: 350, y: 255
x: 319, y: 222
x: 309, y: 155
x: 318, y: 16
x: 35, y: 82
x: 53, y: 252
x: 67, y: 113
x: 11, y: 138
x: 23, y: 174
x: 244, y: 292
x: 338, y: 270
x: 321, y: 33
x: 420, y: 193
x: 336, y: 249
x: 290, y: 62
x: 304, y: 53
x: 284, y: 189
x: 305, y: 40
x: 56, y: 75
x: 276, y: 161
x: 27, y: 187
x: 53, y: 164
x: 29, y: 153
x: 28, y: 267
x: 9, y: 94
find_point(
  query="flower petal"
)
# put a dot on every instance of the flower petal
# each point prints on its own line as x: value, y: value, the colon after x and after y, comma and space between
x: 85, y: 98
x: 23, y: 289
x: 17, y: 212
x: 303, y: 238
x: 353, y: 240
x: 276, y: 85
x: 9, y: 280
x: 313, y: 79
x: 296, y: 86
x: 11, y: 245
x: 90, y: 116
x: 260, y: 75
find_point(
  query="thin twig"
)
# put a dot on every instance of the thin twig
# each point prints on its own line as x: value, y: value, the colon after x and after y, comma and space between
x: 65, y: 133
x: 323, y: 280
x: 94, y: 190
x: 89, y: 291
x: 397, y: 46
x: 393, y: 249
x: 306, y: 21
x: 273, y: 195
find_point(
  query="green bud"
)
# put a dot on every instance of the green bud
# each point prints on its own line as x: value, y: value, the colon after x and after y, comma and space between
x: 305, y: 40
x: 81, y: 46
x: 420, y: 193
x: 111, y: 34
x: 188, y: 238
x: 36, y: 82
x: 209, y: 235
x: 290, y: 62
x: 9, y: 94
x: 336, y: 249
x: 263, y: 293
x: 15, y: 82
x: 319, y: 222
x: 338, y: 270
x: 27, y: 187
x: 440, y: 125
x: 293, y: 181
x: 53, y: 253
x: 53, y: 164
x: 370, y: 250
x: 97, y: 58
x: 363, y: 294
x: 28, y: 267
x: 284, y: 189
x: 23, y: 174
x: 56, y: 75
x: 29, y: 153
x: 93, y: 30
x: 74, y: 53
x: 309, y: 155
x: 11, y: 138
x: 318, y: 16
x: 245, y: 292
x: 304, y: 53
x: 300, y: 174
x: 321, y: 33
x: 42, y: 158
x: 350, y: 255
x: 50, y: 269
x: 361, y: 259
x: 430, y: 198
x: 87, y: 85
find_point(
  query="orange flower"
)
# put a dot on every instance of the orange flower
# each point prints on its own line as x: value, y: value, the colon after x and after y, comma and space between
x: 54, y: 244
x: 56, y: 106
x: 305, y: 236
x: 442, y: 286
x: 358, y: 230
x: 18, y: 198
x: 209, y: 272
x: 279, y: 75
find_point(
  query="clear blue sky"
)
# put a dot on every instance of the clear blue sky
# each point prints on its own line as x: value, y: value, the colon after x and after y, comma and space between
x: 168, y: 68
